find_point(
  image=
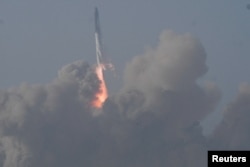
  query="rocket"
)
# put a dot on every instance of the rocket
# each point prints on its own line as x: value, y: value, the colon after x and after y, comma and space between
x: 102, y: 60
x: 98, y: 42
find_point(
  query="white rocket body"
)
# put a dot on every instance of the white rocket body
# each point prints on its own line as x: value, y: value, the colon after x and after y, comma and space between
x: 100, y: 58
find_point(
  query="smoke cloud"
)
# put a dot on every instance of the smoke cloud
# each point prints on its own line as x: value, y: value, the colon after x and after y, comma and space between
x: 154, y: 120
x: 175, y: 64
x: 233, y: 132
x: 43, y: 125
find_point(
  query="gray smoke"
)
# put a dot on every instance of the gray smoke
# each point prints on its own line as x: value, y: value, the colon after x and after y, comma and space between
x: 155, y: 117
x: 176, y: 64
x: 43, y: 125
x: 152, y: 121
x: 233, y: 132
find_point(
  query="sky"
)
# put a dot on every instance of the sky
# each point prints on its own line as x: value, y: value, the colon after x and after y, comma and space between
x: 37, y: 38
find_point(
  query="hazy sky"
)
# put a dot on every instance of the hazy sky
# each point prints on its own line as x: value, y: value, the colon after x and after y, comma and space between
x: 39, y: 37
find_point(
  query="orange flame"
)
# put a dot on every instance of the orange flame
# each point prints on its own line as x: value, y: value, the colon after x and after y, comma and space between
x: 102, y: 93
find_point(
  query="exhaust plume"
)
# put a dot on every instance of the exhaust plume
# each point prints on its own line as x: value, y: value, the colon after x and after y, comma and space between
x: 102, y: 93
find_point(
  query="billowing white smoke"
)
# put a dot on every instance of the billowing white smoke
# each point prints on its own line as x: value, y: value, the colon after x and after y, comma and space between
x: 152, y: 121
x: 176, y: 64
